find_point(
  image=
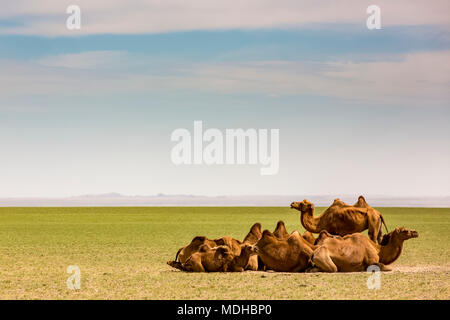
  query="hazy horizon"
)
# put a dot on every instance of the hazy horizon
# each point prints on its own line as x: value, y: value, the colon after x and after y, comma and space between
x: 119, y: 200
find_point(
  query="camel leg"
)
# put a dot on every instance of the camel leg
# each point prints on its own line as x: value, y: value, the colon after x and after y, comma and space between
x: 322, y: 260
x: 384, y: 267
x: 374, y: 231
x: 252, y: 263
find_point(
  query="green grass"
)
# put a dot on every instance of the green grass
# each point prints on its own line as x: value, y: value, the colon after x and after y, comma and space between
x: 122, y: 254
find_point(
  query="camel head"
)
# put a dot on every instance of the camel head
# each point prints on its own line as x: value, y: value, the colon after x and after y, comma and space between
x: 399, y: 234
x: 303, y: 206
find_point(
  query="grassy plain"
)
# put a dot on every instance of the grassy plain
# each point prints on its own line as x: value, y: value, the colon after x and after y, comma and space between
x: 122, y: 254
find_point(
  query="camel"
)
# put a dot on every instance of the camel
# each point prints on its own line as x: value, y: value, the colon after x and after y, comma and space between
x: 185, y: 252
x: 206, y: 259
x: 356, y: 252
x: 252, y: 238
x: 241, y: 262
x: 290, y: 254
x: 342, y: 219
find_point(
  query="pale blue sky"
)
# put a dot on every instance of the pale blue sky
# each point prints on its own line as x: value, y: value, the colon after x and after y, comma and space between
x: 359, y: 111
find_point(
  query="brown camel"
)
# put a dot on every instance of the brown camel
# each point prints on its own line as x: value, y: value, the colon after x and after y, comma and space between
x: 185, y: 252
x: 241, y: 262
x: 342, y: 219
x: 356, y: 252
x: 206, y: 259
x: 252, y: 238
x: 290, y: 254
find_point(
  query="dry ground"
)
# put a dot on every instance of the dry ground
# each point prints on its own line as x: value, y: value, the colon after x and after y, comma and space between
x: 122, y: 253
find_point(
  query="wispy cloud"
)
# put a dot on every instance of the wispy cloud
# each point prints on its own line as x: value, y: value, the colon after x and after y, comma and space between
x: 47, y: 17
x: 414, y: 78
x: 85, y: 60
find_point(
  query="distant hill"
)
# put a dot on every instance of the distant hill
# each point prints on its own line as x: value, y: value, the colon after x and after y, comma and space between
x: 117, y: 199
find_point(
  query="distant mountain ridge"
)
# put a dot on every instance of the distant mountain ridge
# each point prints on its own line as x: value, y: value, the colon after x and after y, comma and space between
x: 116, y: 199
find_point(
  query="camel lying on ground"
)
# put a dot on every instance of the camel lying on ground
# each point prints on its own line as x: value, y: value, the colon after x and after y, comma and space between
x: 290, y: 254
x: 356, y: 252
x: 342, y: 219
x: 185, y: 252
x: 206, y: 259
x: 216, y: 259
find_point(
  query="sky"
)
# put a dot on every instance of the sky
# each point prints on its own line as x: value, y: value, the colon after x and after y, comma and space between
x: 91, y: 111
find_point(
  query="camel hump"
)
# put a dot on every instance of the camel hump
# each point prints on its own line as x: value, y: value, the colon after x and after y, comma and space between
x: 255, y: 228
x: 295, y: 233
x: 322, y: 236
x: 204, y: 248
x: 224, y: 241
x: 361, y: 203
x: 267, y: 233
x: 280, y: 224
x: 199, y: 238
x: 339, y: 202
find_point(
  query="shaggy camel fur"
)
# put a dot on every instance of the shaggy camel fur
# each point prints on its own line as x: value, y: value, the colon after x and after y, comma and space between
x: 252, y: 238
x: 290, y: 254
x: 342, y: 219
x: 206, y: 259
x: 185, y: 252
x: 356, y: 252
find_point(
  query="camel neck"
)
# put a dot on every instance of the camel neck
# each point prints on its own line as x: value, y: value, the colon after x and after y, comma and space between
x: 390, y: 252
x: 309, y: 222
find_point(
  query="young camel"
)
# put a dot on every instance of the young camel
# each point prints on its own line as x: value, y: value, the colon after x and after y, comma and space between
x: 342, y: 219
x: 185, y: 252
x: 206, y: 259
x: 356, y: 252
